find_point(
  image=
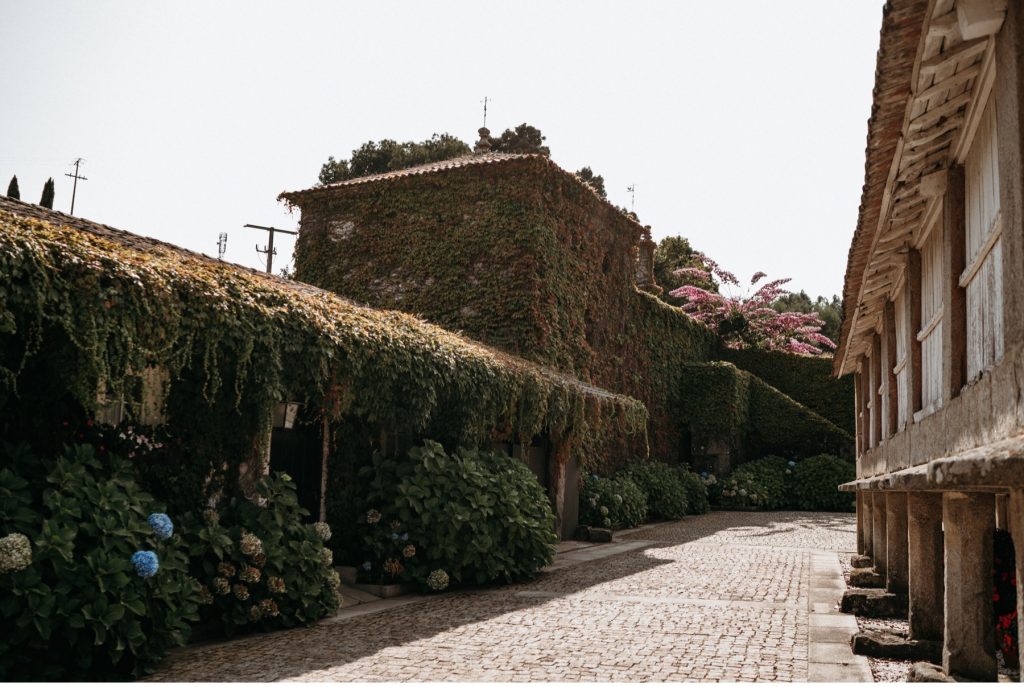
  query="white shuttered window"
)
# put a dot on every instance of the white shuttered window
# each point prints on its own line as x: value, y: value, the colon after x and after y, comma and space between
x: 900, y: 371
x: 930, y: 335
x: 983, y: 277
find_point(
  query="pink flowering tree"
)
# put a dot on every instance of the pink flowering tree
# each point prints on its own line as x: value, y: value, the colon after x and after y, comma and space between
x: 748, y: 320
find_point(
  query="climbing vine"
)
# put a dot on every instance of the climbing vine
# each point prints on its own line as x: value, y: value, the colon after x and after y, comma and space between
x: 114, y: 306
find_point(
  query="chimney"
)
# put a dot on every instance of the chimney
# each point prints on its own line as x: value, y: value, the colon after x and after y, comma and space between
x: 484, y: 144
x: 645, y: 264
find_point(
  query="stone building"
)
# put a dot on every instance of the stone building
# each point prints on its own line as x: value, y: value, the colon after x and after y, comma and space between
x: 516, y: 252
x: 934, y: 325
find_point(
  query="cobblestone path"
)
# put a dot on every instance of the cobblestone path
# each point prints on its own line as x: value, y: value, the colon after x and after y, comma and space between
x: 719, y: 597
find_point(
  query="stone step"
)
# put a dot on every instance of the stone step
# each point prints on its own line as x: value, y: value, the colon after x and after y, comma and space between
x: 867, y: 577
x: 858, y: 561
x: 874, y: 603
x: 926, y: 672
x: 886, y: 644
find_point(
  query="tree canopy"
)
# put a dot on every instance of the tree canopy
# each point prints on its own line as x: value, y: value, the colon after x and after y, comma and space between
x: 523, y: 139
x: 48, y: 193
x: 830, y: 311
x: 388, y: 155
x: 674, y: 253
x: 594, y: 181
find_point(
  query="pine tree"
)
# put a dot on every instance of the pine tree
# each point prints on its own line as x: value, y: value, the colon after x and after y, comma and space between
x: 12, y: 189
x: 47, y: 200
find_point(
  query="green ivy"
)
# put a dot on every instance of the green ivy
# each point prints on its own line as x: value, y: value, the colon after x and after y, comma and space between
x: 240, y: 341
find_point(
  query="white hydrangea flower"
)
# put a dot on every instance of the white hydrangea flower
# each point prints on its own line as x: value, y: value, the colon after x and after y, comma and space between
x: 15, y: 553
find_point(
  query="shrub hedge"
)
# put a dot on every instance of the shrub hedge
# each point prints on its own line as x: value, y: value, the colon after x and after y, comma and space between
x: 95, y: 591
x: 478, y: 516
x: 815, y: 480
x: 666, y: 495
x: 612, y: 502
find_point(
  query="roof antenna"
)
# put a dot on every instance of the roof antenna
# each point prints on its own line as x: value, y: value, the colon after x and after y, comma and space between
x: 632, y: 197
x: 484, y: 144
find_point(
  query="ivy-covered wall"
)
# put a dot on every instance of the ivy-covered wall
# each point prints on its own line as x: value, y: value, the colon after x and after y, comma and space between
x: 85, y: 302
x: 514, y: 252
x: 802, y: 378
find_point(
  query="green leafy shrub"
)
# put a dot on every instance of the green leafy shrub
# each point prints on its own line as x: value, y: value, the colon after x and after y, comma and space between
x: 767, y: 481
x: 74, y: 605
x: 262, y: 567
x: 666, y: 495
x: 816, y: 481
x: 697, y: 502
x: 612, y: 502
x: 478, y: 516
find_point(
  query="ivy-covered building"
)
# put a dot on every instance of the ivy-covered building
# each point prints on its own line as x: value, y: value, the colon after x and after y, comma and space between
x: 514, y: 251
x: 252, y: 372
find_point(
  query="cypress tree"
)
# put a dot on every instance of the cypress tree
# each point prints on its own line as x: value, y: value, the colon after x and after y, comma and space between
x: 47, y: 200
x: 12, y: 188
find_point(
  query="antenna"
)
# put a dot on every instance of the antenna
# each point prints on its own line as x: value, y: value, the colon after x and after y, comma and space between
x: 76, y: 177
x: 222, y: 245
x: 484, y: 101
x: 269, y: 248
x: 632, y: 197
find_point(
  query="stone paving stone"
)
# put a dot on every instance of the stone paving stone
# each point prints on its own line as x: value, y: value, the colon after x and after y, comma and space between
x: 721, y: 597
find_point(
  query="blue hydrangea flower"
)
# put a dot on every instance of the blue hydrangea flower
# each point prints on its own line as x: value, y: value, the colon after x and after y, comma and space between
x: 367, y: 565
x: 162, y: 526
x: 792, y: 463
x: 405, y: 537
x: 394, y: 536
x: 146, y: 563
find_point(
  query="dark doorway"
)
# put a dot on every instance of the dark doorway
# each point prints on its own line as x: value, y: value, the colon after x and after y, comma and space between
x: 299, y: 452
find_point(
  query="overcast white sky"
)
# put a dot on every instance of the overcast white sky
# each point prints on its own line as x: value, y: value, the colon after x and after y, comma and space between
x: 742, y: 124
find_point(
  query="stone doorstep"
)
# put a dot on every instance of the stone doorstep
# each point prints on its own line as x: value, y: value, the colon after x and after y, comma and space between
x: 885, y: 644
x: 829, y: 656
x: 874, y: 603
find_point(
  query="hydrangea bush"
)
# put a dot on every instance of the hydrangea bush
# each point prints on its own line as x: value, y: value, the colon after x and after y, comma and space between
x: 475, y: 516
x: 89, y: 589
x: 762, y: 484
x: 262, y: 567
x: 666, y: 495
x: 816, y: 481
x: 612, y: 502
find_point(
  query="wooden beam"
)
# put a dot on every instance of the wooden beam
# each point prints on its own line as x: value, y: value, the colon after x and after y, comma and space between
x: 932, y: 116
x: 962, y: 52
x: 957, y: 79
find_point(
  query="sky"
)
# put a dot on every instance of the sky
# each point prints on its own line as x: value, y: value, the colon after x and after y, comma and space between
x: 742, y: 125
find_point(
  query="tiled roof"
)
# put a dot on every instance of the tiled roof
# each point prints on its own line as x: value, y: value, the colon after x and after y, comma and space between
x: 902, y: 24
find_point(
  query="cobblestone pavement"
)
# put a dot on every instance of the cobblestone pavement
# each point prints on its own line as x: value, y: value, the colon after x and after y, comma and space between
x: 720, y: 597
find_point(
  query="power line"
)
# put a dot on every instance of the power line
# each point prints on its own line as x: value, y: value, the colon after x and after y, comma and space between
x: 269, y: 248
x: 76, y: 177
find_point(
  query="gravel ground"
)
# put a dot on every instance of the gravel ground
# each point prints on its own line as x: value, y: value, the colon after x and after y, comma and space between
x: 890, y: 670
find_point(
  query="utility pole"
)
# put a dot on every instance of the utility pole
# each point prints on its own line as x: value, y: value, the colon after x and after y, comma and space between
x: 269, y: 249
x: 222, y: 245
x: 76, y: 177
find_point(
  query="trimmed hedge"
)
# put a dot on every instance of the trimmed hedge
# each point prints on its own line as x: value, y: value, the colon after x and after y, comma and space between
x: 807, y: 380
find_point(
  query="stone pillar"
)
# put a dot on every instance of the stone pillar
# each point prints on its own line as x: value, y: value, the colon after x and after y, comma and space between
x: 862, y: 547
x: 897, y: 573
x: 878, y: 536
x: 968, y: 521
x: 869, y: 523
x: 925, y: 564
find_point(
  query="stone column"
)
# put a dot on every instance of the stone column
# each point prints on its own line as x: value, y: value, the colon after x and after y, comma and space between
x: 862, y: 547
x: 897, y: 573
x: 869, y: 523
x: 925, y: 564
x: 968, y: 521
x: 878, y: 536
